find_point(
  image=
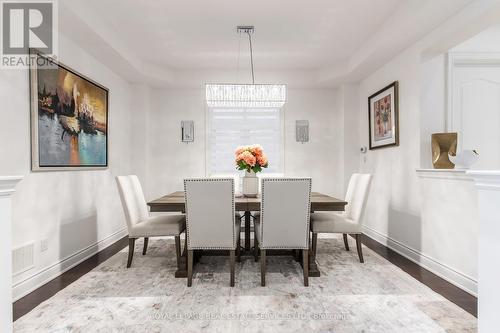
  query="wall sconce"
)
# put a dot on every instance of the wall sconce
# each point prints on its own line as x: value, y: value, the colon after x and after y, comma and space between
x: 187, y: 131
x: 302, y: 131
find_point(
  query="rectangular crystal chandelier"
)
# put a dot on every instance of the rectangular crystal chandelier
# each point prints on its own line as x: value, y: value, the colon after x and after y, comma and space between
x: 246, y: 95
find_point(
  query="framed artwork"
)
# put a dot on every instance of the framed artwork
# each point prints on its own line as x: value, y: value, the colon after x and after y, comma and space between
x: 69, y: 118
x: 383, y: 117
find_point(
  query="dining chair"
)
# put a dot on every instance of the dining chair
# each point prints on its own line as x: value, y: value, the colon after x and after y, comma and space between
x: 140, y: 223
x: 347, y: 222
x: 211, y: 222
x: 283, y: 221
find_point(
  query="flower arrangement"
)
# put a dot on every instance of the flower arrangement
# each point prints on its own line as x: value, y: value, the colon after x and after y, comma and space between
x: 251, y: 158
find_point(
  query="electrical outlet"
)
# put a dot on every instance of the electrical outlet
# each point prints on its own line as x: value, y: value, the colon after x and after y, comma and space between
x: 44, y: 245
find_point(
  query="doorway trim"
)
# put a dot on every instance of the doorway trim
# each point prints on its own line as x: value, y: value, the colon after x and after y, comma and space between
x: 460, y: 60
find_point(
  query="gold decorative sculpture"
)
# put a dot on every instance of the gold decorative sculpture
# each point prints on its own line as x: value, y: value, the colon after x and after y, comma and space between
x: 443, y: 144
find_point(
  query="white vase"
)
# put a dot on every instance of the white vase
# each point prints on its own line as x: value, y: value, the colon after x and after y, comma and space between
x: 465, y: 159
x: 250, y: 184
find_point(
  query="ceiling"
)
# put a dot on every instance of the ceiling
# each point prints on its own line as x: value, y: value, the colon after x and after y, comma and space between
x: 155, y: 41
x: 289, y: 34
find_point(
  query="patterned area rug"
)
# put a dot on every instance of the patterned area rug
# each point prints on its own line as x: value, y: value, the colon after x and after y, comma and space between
x: 348, y: 297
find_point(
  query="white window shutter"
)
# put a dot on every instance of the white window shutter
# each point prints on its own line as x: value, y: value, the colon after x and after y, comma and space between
x: 233, y: 127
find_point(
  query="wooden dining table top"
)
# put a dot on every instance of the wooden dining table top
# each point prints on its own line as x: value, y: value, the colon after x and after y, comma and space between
x: 175, y: 202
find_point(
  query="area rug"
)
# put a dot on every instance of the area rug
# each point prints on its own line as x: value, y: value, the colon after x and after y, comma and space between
x: 348, y: 297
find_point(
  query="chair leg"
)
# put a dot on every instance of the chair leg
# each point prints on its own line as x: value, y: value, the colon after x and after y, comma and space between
x: 314, y: 243
x: 131, y: 247
x: 178, y: 250
x: 305, y: 266
x: 238, y: 250
x: 360, y: 250
x: 190, y: 267
x: 346, y: 243
x: 263, y: 268
x: 185, y: 242
x: 231, y: 265
x: 185, y: 251
x: 145, y: 248
x: 256, y: 250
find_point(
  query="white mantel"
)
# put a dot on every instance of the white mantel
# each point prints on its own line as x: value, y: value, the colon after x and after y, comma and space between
x: 7, y: 185
x: 443, y: 173
x: 488, y: 187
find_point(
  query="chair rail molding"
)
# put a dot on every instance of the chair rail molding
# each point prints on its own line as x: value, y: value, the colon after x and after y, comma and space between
x: 488, y: 187
x: 7, y: 186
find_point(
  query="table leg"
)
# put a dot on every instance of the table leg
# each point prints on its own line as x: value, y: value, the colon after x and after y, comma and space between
x: 313, y: 265
x: 247, y: 231
x: 297, y: 255
x: 181, y: 271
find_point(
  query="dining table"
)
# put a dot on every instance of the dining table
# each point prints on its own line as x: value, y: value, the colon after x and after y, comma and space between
x: 175, y: 202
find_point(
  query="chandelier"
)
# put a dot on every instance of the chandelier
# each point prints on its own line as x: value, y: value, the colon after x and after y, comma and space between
x: 246, y: 95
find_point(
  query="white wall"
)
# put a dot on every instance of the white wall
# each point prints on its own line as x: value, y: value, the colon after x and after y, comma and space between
x: 170, y: 160
x: 449, y: 226
x: 140, y: 104
x: 348, y: 99
x: 6, y: 262
x: 7, y: 185
x: 432, y: 104
x: 322, y: 157
x: 395, y: 214
x: 78, y: 212
x: 393, y: 208
x: 434, y: 88
x: 488, y: 186
x: 484, y: 42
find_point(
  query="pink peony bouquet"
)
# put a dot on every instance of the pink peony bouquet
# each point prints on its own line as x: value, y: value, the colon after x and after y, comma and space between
x: 251, y: 158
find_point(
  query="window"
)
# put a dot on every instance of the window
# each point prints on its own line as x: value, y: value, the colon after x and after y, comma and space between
x: 233, y: 127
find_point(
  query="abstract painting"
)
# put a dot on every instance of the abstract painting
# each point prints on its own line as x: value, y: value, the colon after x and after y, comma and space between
x: 383, y: 116
x: 69, y: 118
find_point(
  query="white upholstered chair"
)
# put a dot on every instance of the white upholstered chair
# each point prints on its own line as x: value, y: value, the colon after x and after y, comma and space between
x: 211, y: 221
x: 140, y: 223
x: 284, y: 227
x: 349, y: 221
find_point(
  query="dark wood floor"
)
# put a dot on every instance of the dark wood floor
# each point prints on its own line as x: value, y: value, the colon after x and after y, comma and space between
x: 30, y: 301
x: 449, y: 291
x: 442, y: 287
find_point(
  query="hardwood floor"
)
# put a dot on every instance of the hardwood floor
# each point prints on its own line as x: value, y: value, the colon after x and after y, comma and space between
x: 449, y: 291
x: 444, y: 288
x: 30, y: 301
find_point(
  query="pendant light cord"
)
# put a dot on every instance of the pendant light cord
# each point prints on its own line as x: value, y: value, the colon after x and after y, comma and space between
x: 238, y: 63
x: 251, y: 55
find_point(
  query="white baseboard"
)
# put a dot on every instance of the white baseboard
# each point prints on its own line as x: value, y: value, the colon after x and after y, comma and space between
x: 24, y: 287
x: 445, y: 272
